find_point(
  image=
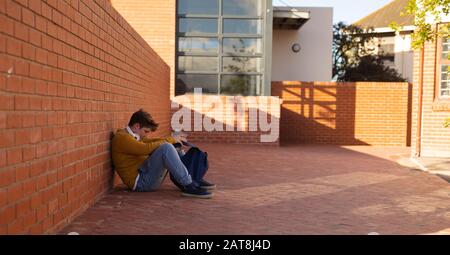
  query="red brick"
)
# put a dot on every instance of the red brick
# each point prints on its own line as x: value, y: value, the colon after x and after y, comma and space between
x: 3, y: 120
x: 52, y: 59
x: 14, y: 156
x: 29, y: 153
x: 28, y: 16
x: 22, y: 68
x: 2, y: 44
x: 42, y: 79
x: 29, y: 187
x: 41, y: 23
x: 41, y: 119
x: 41, y: 56
x: 74, y: 4
x: 13, y: 120
x: 35, y: 6
x: 22, y: 173
x: 41, y: 213
x: 41, y: 149
x: 7, y: 215
x: 36, y: 200
x: 28, y: 86
x: 23, y: 3
x: 21, y: 31
x: 6, y: 25
x: 46, y: 103
x: 3, y: 198
x: 42, y: 182
x: 52, y: 206
x: 56, y: 75
x: 29, y: 51
x: 6, y: 103
x: 41, y: 88
x: 3, y: 7
x: 35, y: 103
x: 35, y: 37
x: 28, y: 120
x: 13, y: 10
x: 7, y: 178
x: 38, y: 168
x: 53, y: 3
x: 14, y: 84
x: 21, y: 103
x: 6, y: 138
x: 23, y: 208
x: 57, y: 17
x: 36, y: 71
x: 46, y: 11
x: 36, y: 229
x: 29, y: 220
x: 48, y: 222
x: 52, y: 30
x: 15, y: 193
x: 13, y: 47
x: 16, y: 227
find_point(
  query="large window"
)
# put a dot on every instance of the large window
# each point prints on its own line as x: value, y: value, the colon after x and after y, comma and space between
x: 386, y: 50
x: 221, y: 46
x: 444, y: 69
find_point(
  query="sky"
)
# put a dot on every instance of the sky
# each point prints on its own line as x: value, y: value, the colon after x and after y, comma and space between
x: 348, y: 11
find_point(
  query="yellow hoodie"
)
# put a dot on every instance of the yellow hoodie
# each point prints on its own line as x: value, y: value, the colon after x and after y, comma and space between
x: 128, y: 154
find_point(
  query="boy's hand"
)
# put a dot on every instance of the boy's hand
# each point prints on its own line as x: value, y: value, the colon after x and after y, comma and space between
x: 179, y: 138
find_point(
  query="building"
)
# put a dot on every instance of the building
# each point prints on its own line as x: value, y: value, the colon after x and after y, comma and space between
x: 315, y: 40
x: 234, y: 47
x: 431, y: 98
x: 393, y: 48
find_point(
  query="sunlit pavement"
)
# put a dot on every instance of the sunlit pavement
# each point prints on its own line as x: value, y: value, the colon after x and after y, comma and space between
x: 301, y: 189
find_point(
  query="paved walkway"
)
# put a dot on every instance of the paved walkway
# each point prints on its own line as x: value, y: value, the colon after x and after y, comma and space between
x: 306, y: 189
x: 437, y: 166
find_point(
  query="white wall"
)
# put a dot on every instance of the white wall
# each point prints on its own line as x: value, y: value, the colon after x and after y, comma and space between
x: 403, y: 53
x: 314, y: 61
x: 404, y: 56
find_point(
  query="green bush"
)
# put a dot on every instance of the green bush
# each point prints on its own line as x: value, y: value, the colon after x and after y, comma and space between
x: 447, y: 122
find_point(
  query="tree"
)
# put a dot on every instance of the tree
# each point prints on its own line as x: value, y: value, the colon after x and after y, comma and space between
x: 424, y: 11
x: 353, y: 59
x: 346, y: 47
x: 370, y: 68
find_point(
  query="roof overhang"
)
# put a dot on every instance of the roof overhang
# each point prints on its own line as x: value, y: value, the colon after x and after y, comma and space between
x: 289, y: 18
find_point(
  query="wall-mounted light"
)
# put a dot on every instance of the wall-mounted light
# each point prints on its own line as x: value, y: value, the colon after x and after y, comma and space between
x: 296, y: 47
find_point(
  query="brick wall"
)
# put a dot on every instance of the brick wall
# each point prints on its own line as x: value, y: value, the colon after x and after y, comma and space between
x: 71, y: 72
x: 344, y: 113
x: 435, y: 140
x: 238, y: 126
x: 155, y: 22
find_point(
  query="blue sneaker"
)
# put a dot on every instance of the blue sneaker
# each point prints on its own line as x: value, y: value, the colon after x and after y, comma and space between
x: 176, y: 183
x: 206, y: 185
x: 192, y: 190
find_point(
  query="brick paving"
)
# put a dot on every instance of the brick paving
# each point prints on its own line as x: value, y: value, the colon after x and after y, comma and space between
x: 301, y: 189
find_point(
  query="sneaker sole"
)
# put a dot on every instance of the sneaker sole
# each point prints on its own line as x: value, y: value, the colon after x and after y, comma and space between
x: 208, y: 187
x: 197, y: 196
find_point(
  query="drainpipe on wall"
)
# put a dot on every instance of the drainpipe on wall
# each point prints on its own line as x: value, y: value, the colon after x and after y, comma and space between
x: 419, y: 122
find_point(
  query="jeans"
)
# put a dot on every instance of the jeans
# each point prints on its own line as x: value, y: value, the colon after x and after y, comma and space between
x: 154, y: 169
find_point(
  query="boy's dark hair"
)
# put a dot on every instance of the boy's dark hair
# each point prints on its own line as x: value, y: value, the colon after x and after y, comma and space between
x: 144, y: 119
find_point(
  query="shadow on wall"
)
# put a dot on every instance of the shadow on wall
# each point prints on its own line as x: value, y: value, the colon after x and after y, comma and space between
x: 345, y: 113
x: 212, y: 122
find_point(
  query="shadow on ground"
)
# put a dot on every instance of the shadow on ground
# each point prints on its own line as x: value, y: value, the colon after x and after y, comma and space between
x: 298, y: 189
